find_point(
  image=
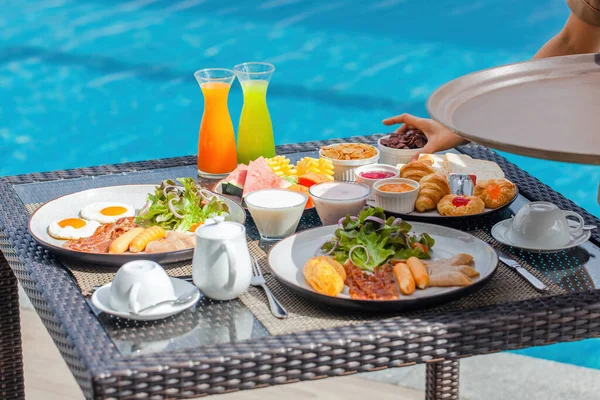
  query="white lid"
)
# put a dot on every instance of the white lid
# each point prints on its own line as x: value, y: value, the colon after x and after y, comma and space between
x: 218, y: 229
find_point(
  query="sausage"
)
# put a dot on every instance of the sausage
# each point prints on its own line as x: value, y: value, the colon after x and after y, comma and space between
x: 404, y: 278
x: 419, y: 272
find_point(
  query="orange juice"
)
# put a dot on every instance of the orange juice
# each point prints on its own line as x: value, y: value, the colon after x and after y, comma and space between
x: 216, y: 142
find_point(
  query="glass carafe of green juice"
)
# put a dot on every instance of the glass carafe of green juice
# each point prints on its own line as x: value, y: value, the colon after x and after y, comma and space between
x: 255, y: 132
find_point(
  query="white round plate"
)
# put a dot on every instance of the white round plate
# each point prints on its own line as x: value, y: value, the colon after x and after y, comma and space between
x: 135, y: 195
x: 100, y: 299
x: 500, y: 233
x: 287, y: 258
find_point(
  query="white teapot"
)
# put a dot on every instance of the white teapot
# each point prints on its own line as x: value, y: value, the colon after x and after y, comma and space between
x: 221, y: 267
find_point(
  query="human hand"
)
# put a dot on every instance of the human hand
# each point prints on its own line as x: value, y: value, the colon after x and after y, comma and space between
x: 439, y: 137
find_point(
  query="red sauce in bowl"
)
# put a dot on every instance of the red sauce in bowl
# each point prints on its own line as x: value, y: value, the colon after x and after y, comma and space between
x: 377, y: 174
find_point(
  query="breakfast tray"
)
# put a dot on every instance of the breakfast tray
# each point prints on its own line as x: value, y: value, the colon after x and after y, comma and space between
x: 111, y: 358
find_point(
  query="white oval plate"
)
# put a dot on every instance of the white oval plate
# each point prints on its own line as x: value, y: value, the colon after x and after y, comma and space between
x: 287, y: 258
x: 100, y: 299
x: 500, y: 233
x: 135, y: 195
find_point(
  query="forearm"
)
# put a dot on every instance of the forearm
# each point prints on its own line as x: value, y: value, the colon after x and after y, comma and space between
x: 577, y: 37
x: 557, y: 46
x: 452, y: 140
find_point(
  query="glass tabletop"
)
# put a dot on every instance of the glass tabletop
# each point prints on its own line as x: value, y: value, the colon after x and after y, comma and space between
x: 212, y: 322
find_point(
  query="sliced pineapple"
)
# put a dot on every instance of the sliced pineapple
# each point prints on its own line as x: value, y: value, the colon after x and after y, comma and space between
x: 315, y: 165
x: 281, y: 166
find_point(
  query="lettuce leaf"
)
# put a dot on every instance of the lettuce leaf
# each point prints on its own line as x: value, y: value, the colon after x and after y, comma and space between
x: 185, y: 200
x: 369, y: 243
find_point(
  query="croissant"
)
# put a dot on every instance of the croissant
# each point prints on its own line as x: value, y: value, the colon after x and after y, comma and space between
x: 454, y: 205
x: 432, y: 188
x: 495, y: 192
x: 416, y: 170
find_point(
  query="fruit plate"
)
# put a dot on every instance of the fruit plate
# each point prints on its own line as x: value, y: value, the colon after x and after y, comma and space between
x: 68, y: 206
x: 287, y: 258
x: 435, y: 217
x: 218, y: 188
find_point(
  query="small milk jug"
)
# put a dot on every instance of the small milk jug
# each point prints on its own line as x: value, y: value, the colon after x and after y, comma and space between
x: 221, y: 267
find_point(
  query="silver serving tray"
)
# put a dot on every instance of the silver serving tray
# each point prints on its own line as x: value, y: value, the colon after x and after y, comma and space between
x: 547, y: 108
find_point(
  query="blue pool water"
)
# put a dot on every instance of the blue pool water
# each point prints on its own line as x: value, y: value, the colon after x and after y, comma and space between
x: 88, y: 82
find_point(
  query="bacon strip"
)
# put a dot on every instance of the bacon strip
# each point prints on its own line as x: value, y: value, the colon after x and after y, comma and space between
x: 100, y: 241
x: 381, y: 285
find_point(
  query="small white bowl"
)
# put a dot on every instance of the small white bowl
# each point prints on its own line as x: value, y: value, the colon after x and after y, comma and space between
x: 344, y: 170
x: 395, y: 156
x: 374, y: 167
x: 402, y: 202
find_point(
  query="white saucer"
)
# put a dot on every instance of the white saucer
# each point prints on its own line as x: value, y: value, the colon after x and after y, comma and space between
x: 500, y: 233
x: 101, y: 296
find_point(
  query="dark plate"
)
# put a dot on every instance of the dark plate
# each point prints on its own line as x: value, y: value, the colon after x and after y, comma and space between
x: 435, y: 217
x: 287, y: 258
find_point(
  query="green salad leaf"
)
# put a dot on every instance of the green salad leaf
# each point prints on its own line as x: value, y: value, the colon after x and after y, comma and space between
x: 371, y: 239
x: 180, y: 207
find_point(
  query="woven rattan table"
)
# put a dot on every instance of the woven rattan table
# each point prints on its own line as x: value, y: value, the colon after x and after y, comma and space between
x: 122, y: 360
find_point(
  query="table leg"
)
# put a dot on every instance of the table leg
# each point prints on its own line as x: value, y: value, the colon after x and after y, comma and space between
x: 11, y: 353
x: 441, y: 380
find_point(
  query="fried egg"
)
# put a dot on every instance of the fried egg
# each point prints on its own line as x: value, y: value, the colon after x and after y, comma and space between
x: 107, y: 212
x: 72, y: 228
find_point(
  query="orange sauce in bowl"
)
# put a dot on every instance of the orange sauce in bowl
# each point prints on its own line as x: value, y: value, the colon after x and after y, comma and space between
x: 396, y: 187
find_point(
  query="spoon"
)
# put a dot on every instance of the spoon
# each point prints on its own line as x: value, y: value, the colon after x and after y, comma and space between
x: 184, y: 298
x: 589, y: 227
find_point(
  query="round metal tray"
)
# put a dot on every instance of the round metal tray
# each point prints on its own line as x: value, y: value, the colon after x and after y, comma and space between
x: 545, y: 108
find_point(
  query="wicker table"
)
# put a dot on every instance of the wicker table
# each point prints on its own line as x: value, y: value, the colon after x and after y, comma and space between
x: 105, y: 356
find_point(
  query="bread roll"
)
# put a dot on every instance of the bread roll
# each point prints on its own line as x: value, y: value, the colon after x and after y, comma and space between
x: 415, y: 170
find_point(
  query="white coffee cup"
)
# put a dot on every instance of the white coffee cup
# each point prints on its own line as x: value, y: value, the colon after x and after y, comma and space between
x: 139, y: 284
x: 221, y: 267
x: 542, y: 225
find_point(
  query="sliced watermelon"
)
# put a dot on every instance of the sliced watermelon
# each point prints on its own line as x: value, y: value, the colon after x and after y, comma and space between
x: 260, y: 176
x: 238, y: 176
x: 311, y: 179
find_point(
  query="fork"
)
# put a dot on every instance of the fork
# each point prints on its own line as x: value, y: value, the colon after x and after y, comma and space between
x: 258, y: 280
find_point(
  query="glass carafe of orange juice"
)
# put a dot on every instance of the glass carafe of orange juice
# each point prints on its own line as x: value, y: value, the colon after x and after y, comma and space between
x: 216, y: 143
x: 255, y: 132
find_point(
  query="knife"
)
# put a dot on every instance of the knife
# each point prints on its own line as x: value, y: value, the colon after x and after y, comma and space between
x: 512, y: 264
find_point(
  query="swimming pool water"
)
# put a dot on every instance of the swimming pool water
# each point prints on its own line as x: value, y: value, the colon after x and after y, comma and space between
x: 87, y: 82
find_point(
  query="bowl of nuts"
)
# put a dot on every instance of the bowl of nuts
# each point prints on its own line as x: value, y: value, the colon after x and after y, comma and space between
x: 400, y: 147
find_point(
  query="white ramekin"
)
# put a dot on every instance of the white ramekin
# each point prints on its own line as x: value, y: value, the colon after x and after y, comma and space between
x: 374, y: 167
x: 344, y: 170
x: 401, y: 203
x: 395, y: 156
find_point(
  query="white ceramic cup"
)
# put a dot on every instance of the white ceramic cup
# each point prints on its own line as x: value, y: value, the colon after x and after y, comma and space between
x: 396, y: 202
x: 140, y: 284
x: 221, y: 267
x: 544, y: 226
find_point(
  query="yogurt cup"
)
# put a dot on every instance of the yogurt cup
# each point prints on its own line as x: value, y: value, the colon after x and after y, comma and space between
x: 335, y: 200
x: 276, y: 212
